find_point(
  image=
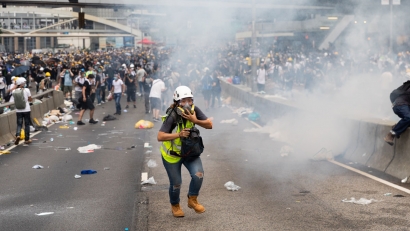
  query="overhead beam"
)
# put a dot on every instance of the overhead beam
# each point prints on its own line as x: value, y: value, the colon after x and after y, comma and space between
x: 67, y: 35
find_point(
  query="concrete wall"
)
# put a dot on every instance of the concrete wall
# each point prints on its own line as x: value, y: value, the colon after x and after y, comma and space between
x: 8, y: 122
x: 366, y: 145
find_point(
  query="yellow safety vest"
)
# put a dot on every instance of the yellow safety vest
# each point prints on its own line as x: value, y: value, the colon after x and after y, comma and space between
x: 174, y: 145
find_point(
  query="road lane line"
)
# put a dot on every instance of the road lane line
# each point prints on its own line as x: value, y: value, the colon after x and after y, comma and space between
x: 371, y: 177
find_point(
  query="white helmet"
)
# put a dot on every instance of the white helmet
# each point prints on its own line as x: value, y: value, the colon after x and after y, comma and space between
x: 124, y: 65
x: 41, y: 69
x: 20, y: 81
x: 132, y: 65
x: 182, y: 92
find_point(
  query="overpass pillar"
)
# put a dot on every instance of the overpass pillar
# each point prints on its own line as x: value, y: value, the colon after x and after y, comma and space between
x: 25, y: 44
x: 38, y: 43
x: 16, y: 43
x: 52, y: 42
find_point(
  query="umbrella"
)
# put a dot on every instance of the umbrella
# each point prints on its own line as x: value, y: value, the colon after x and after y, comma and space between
x: 146, y: 41
x: 35, y: 57
x: 53, y: 60
x: 38, y: 62
x: 19, y: 70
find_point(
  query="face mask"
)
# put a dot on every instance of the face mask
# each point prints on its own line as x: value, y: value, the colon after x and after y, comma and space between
x: 116, y: 78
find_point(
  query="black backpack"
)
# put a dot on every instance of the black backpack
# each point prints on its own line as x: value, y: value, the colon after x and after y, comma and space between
x: 402, y: 90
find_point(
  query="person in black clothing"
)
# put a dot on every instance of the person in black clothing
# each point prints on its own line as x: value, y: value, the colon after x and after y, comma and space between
x: 147, y: 84
x: 86, y: 102
x: 131, y: 88
x: 216, y: 90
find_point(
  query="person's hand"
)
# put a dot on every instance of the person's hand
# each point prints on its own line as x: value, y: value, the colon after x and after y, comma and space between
x: 184, y: 133
x: 189, y: 116
x: 84, y: 99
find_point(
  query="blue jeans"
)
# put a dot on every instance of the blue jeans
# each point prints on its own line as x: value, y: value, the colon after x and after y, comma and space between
x: 26, y: 117
x: 109, y: 83
x: 194, y: 167
x: 141, y: 86
x: 403, y: 111
x: 117, y: 98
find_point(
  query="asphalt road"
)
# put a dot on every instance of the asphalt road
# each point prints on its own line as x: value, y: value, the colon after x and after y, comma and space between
x: 277, y: 193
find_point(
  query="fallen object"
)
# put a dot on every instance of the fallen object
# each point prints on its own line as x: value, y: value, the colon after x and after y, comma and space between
x: 89, y: 148
x: 152, y: 164
x: 88, y: 171
x: 44, y: 214
x: 231, y: 121
x: 361, y: 201
x: 398, y: 195
x: 37, y: 166
x: 405, y: 180
x: 109, y: 118
x: 254, y: 116
x: 144, y: 124
x: 77, y: 176
x: 149, y: 181
x: 146, y: 145
x: 4, y: 152
x: 230, y: 185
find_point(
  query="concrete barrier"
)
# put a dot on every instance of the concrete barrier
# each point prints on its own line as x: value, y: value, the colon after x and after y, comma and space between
x: 365, y: 143
x: 43, y: 108
x: 5, y: 134
x: 383, y: 153
x: 365, y: 146
x: 50, y: 104
x: 400, y: 166
x: 12, y: 122
x: 36, y: 113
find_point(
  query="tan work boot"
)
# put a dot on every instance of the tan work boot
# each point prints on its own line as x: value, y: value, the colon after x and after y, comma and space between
x: 193, y: 204
x: 177, y: 211
x: 389, y: 138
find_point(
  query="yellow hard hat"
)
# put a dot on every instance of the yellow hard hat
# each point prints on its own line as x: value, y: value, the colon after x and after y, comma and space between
x: 48, y: 74
x: 290, y: 59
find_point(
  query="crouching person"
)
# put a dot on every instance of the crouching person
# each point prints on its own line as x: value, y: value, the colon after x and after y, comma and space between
x: 21, y: 97
x: 177, y: 125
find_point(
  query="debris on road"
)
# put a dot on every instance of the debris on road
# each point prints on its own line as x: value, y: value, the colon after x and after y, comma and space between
x: 106, y: 168
x: 286, y: 150
x: 89, y: 148
x: 88, y: 171
x: 230, y: 185
x: 231, y: 121
x: 148, y: 152
x: 405, y: 180
x: 37, y: 166
x: 77, y: 176
x: 64, y: 127
x: 44, y: 214
x: 144, y: 124
x: 398, y: 195
x: 152, y: 164
x: 388, y: 194
x: 361, y: 201
x: 146, y: 145
x: 4, y: 152
x: 149, y: 181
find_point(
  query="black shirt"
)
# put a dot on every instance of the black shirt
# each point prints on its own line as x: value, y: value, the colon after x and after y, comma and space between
x: 170, y: 123
x: 87, y: 88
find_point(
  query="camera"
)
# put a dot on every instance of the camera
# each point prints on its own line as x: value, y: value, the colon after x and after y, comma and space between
x: 193, y: 133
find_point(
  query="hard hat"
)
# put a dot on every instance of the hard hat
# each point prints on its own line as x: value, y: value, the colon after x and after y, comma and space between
x: 48, y: 74
x: 124, y: 65
x: 132, y: 65
x: 182, y: 92
x: 20, y: 81
x: 14, y: 78
x: 41, y: 69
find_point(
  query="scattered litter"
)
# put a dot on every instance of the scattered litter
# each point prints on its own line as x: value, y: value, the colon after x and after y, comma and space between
x: 144, y: 124
x: 125, y: 110
x: 304, y: 191
x: 133, y: 146
x: 52, y: 139
x: 398, y: 195
x: 88, y: 171
x: 63, y: 148
x: 77, y: 176
x: 64, y: 127
x: 1, y: 147
x: 75, y: 128
x: 230, y: 185
x: 254, y: 116
x: 37, y: 166
x: 146, y: 145
x: 4, y: 152
x: 405, y: 180
x: 89, y: 148
x: 361, y: 201
x: 152, y: 164
x: 388, y: 194
x: 148, y: 152
x: 71, y: 122
x: 44, y: 214
x: 32, y: 129
x: 323, y: 154
x: 106, y: 168
x: 149, y: 181
x: 67, y: 118
x: 231, y: 121
x: 286, y: 150
x: 109, y: 118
